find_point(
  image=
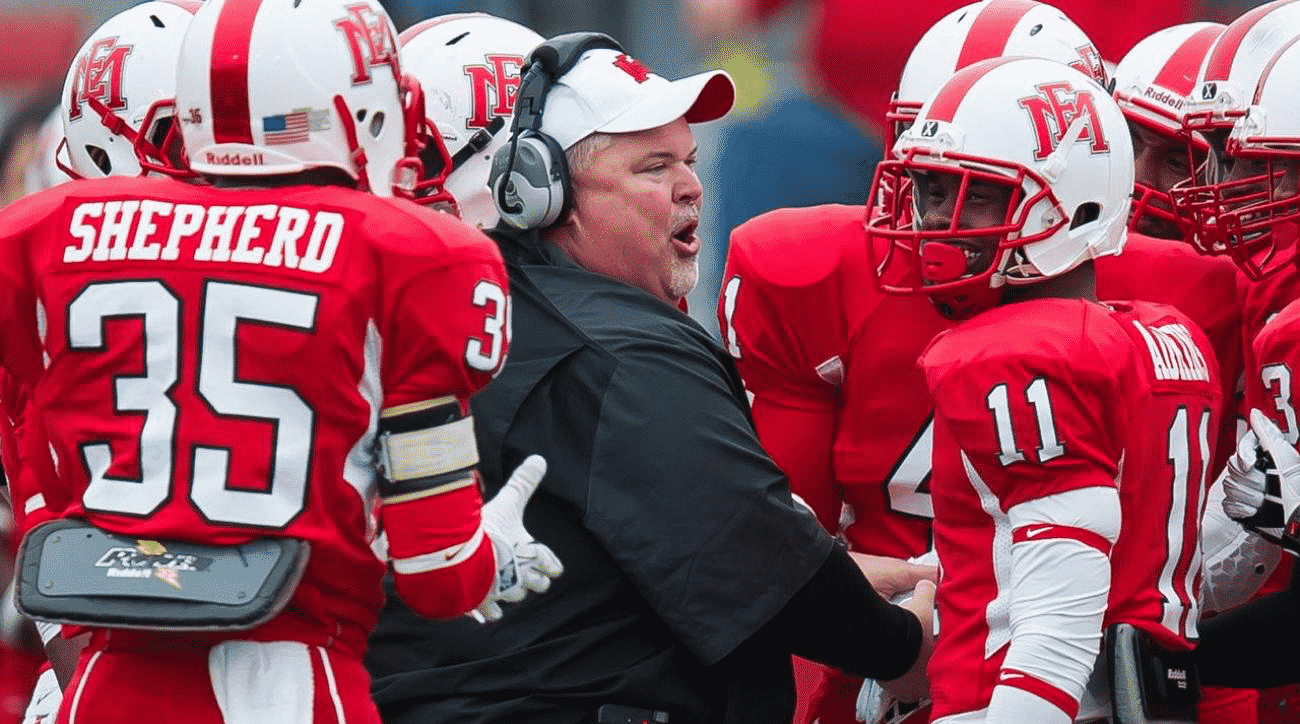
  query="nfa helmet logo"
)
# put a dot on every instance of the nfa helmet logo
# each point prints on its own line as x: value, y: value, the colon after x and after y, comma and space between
x: 98, y: 74
x: 1057, y: 107
x: 370, y: 39
x: 493, y: 88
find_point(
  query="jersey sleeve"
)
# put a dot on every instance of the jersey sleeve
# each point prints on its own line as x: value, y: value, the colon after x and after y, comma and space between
x: 784, y: 320
x: 446, y: 327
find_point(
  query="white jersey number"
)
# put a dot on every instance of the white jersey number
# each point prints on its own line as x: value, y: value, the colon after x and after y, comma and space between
x: 999, y: 402
x: 224, y: 307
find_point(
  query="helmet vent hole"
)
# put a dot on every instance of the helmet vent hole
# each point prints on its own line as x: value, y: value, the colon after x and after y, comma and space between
x: 458, y: 38
x: 361, y: 116
x: 157, y: 21
x: 1085, y: 214
x: 1035, y: 30
x: 377, y: 124
x: 296, y: 3
x: 100, y: 158
x: 963, y: 17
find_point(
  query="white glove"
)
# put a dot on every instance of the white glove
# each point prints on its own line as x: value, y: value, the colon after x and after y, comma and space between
x: 523, y: 564
x: 1250, y: 487
x: 1286, y: 462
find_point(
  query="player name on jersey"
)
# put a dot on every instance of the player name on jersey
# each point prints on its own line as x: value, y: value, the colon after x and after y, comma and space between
x: 149, y: 230
x: 1174, y: 353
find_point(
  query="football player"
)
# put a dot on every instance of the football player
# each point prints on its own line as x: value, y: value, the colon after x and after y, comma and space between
x: 1040, y: 392
x: 468, y: 65
x: 831, y: 363
x: 1246, y: 206
x: 162, y: 328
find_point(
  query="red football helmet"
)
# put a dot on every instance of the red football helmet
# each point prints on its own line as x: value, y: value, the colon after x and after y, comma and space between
x: 1243, y: 202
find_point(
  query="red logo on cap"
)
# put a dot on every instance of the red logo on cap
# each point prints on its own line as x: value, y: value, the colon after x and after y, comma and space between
x: 632, y: 67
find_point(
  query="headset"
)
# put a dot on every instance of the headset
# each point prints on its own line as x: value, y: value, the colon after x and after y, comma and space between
x: 530, y: 175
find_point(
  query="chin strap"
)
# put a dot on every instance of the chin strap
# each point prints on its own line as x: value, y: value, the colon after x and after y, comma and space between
x: 355, y: 151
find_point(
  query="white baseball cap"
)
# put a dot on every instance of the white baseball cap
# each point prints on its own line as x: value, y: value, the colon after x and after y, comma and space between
x: 610, y: 92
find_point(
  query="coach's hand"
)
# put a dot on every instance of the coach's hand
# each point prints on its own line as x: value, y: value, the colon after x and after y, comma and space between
x: 914, y: 685
x: 523, y: 564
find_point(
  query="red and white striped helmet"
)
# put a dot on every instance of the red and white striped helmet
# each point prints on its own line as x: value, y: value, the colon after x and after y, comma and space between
x: 983, y: 30
x: 1232, y: 110
x: 1153, y: 86
x: 469, y: 66
x: 115, y: 106
x: 1049, y: 134
x: 271, y: 87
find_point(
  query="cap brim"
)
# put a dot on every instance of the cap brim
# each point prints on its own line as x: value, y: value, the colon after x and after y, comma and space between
x: 699, y: 98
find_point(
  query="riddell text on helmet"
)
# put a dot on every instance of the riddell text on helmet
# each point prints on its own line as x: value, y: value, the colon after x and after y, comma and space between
x: 268, y: 234
x: 234, y: 159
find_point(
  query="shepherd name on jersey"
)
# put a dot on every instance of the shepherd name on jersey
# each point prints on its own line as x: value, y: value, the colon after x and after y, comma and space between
x: 1040, y: 398
x: 209, y: 365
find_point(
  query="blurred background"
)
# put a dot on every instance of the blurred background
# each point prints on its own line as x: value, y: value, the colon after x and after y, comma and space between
x: 813, y: 77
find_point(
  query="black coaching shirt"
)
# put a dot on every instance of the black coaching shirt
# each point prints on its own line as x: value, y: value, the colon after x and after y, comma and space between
x: 677, y: 532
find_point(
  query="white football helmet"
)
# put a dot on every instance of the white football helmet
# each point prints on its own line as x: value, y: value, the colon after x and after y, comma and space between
x: 1051, y: 135
x: 115, y: 106
x: 282, y: 86
x: 469, y: 66
x: 1153, y: 86
x: 1229, y: 90
x: 43, y: 170
x: 983, y: 30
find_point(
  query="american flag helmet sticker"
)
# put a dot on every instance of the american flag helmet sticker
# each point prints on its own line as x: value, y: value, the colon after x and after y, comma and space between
x: 294, y: 126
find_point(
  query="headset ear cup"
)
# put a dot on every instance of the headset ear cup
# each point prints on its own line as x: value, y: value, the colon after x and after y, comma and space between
x: 529, y: 180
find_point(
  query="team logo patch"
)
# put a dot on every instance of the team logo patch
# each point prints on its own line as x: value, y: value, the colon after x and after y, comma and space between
x: 98, y: 74
x: 1055, y: 109
x: 493, y: 88
x: 633, y: 67
x: 929, y: 129
x: 295, y: 126
x: 1209, y: 91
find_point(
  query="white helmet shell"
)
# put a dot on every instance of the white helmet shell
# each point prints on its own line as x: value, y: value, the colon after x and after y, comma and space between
x: 128, y: 65
x: 469, y: 65
x: 991, y: 29
x: 1155, y: 79
x: 1034, y: 120
x: 269, y: 87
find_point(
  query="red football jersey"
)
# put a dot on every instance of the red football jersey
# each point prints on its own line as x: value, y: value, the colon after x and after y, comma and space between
x: 210, y: 365
x: 1045, y: 397
x: 1205, y: 288
x: 831, y: 364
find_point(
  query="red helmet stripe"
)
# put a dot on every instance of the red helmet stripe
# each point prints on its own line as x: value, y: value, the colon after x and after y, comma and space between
x: 1179, y: 72
x: 991, y: 30
x: 231, y: 40
x: 944, y: 106
x: 1220, y: 63
x: 1268, y: 69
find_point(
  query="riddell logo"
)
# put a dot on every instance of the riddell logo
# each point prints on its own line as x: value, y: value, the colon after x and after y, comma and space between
x: 1159, y: 96
x: 234, y: 159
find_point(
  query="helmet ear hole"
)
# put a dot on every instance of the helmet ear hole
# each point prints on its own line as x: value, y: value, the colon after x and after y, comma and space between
x: 1086, y: 213
x: 100, y: 158
x: 377, y: 124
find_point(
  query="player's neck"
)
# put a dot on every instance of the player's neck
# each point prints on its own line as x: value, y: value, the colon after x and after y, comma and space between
x: 1078, y: 283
